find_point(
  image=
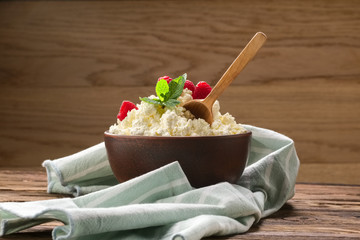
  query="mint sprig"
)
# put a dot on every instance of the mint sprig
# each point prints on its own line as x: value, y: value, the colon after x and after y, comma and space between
x: 168, y: 93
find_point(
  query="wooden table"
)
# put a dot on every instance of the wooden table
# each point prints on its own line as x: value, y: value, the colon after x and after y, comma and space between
x: 318, y: 211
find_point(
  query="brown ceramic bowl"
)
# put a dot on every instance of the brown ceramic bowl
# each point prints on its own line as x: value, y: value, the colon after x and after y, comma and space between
x: 206, y: 160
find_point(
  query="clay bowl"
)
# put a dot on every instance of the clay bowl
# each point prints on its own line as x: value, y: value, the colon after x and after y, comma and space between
x: 206, y: 160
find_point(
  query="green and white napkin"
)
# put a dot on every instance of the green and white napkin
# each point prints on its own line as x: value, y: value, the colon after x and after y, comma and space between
x: 160, y: 204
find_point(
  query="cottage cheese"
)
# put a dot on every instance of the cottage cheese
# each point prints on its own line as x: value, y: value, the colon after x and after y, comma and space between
x: 152, y: 120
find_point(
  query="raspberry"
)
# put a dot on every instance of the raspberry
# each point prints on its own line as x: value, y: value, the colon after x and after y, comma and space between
x: 189, y: 85
x: 126, y: 106
x: 166, y: 78
x: 202, y: 90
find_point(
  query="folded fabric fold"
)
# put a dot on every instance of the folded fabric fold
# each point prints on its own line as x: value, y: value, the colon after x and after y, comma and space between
x: 81, y: 173
x: 160, y: 204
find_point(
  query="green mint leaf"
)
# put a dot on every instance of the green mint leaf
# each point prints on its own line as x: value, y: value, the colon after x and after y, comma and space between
x: 184, y: 76
x: 152, y: 101
x: 164, y: 96
x: 176, y: 87
x: 171, y: 103
x: 162, y: 88
x: 168, y: 93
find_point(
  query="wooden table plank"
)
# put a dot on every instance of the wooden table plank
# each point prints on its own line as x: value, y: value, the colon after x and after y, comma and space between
x: 318, y: 211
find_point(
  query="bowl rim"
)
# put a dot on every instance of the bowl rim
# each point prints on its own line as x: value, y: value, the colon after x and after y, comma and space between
x: 245, y: 134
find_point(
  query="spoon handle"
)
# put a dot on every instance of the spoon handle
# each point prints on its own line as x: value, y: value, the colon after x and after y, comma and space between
x: 236, y: 67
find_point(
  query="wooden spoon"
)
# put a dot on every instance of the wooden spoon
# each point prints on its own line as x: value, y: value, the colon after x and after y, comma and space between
x: 203, y: 108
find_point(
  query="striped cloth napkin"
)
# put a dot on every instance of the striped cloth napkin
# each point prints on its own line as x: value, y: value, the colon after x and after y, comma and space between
x: 160, y: 204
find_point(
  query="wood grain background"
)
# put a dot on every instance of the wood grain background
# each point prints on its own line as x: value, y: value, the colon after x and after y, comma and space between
x: 66, y: 66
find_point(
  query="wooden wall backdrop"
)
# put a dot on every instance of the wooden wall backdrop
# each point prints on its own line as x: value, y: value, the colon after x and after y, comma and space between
x: 66, y: 66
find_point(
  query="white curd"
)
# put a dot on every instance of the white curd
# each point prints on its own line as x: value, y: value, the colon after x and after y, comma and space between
x: 152, y: 120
